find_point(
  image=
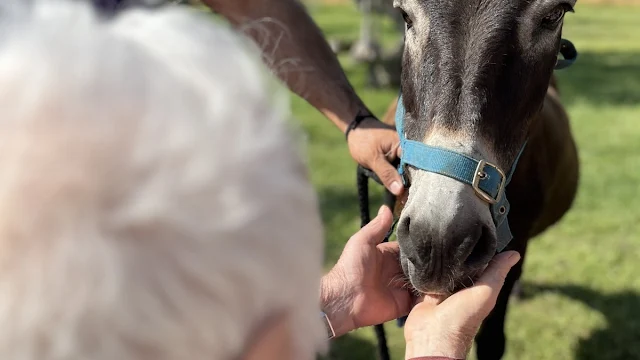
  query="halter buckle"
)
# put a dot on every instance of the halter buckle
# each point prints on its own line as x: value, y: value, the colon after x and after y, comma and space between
x: 477, y: 177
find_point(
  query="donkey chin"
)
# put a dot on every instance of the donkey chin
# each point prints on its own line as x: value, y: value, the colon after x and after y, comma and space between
x: 446, y: 235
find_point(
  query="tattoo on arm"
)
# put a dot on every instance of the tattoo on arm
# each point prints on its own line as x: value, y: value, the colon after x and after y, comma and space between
x: 296, y: 50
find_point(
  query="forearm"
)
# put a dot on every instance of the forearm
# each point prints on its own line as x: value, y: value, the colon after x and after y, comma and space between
x: 295, y: 48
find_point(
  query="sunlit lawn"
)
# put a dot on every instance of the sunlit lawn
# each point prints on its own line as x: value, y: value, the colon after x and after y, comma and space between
x: 582, y: 278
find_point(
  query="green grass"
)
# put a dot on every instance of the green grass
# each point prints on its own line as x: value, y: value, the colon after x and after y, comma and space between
x: 581, y: 278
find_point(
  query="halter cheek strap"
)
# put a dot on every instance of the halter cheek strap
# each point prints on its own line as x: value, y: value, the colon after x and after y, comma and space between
x: 487, y: 180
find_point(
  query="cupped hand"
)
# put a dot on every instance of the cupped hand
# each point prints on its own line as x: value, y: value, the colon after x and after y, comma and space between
x: 447, y: 328
x: 366, y: 286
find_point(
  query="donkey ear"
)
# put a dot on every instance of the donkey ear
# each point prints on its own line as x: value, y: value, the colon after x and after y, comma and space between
x: 569, y: 54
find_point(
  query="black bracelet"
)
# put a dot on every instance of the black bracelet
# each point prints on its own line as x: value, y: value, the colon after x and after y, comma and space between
x: 352, y: 125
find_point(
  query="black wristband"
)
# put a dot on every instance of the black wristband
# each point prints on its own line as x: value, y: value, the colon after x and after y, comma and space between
x: 352, y: 125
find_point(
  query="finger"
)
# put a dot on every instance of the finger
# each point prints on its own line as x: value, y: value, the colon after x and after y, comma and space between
x: 485, y: 292
x: 424, y: 303
x: 390, y: 263
x: 374, y: 232
x: 394, y: 153
x: 498, y: 269
x: 433, y: 299
x: 404, y: 302
x: 388, y: 175
x: 392, y: 248
x: 390, y: 252
x: 416, y: 299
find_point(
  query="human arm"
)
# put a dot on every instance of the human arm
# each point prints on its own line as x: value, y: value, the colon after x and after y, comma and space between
x: 295, y: 48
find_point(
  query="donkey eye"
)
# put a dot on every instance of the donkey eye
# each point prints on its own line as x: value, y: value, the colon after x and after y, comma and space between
x: 557, y: 14
x: 407, y: 19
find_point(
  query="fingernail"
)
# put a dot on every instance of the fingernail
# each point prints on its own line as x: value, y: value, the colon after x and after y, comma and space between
x: 514, y: 257
x: 380, y: 210
x: 396, y: 188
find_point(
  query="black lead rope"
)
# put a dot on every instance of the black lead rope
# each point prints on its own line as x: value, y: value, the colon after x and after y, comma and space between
x: 363, y: 176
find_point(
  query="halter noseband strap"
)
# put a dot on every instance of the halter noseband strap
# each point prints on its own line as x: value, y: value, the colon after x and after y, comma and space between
x: 487, y: 180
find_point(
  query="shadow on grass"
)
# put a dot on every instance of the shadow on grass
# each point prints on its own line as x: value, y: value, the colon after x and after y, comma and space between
x: 621, y: 339
x: 349, y: 347
x: 602, y: 78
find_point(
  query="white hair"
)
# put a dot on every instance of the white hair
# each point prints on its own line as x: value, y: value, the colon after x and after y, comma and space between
x: 154, y: 203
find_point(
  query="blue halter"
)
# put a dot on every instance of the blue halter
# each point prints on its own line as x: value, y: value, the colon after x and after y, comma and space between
x: 487, y: 180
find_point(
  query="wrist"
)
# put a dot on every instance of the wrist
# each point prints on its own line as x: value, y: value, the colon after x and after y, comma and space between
x: 361, y: 117
x: 335, y: 303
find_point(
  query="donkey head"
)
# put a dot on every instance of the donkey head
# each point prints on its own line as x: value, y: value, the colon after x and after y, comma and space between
x: 475, y: 73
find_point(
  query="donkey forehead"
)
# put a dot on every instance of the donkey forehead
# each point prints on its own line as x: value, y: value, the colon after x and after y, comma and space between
x: 461, y: 7
x: 458, y: 24
x: 462, y: 26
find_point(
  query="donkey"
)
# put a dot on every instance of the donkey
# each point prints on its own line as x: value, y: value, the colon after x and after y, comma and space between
x: 382, y: 66
x: 477, y: 84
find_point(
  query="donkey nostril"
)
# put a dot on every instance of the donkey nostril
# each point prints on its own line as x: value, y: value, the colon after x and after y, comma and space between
x: 403, y: 227
x: 482, y: 250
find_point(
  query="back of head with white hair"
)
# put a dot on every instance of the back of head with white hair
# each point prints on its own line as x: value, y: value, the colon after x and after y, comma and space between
x: 152, y: 202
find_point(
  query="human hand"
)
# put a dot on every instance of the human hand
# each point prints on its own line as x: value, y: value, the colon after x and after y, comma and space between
x: 374, y: 145
x: 448, y: 328
x: 366, y: 286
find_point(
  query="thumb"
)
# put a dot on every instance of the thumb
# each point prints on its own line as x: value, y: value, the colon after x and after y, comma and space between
x: 388, y: 175
x: 490, y: 283
x: 498, y: 269
x: 373, y: 233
